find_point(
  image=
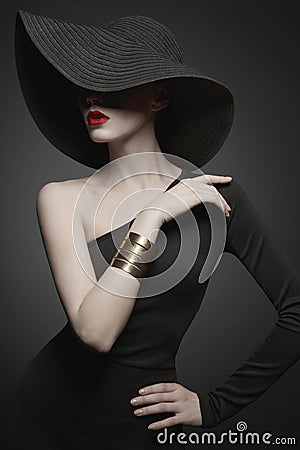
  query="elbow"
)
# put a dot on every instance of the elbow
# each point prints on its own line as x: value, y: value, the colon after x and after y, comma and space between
x: 96, y: 341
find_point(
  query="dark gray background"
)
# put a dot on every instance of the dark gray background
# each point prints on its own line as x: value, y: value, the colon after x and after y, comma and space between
x: 253, y: 48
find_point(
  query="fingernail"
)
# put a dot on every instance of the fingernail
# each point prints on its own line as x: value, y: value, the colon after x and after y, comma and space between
x: 229, y: 177
x: 142, y: 391
x: 151, y: 426
x: 133, y: 401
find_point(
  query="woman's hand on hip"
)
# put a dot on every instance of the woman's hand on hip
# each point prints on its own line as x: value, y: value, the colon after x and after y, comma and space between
x: 168, y: 398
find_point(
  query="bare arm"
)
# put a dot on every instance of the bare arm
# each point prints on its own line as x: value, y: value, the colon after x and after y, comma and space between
x: 97, y: 316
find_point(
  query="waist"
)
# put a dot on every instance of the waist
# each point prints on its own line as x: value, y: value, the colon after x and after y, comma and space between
x: 75, y: 348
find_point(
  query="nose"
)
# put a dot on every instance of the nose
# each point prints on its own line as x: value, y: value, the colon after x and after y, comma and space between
x: 91, y: 100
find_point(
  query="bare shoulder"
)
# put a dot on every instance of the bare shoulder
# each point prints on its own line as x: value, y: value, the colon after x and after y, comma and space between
x: 55, y: 207
x: 59, y: 194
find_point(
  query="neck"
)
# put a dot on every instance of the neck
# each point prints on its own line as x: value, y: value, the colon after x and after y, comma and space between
x: 143, y: 140
x: 143, y: 157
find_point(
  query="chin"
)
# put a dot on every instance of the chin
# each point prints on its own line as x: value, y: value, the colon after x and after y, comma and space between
x: 99, y: 141
x: 99, y: 137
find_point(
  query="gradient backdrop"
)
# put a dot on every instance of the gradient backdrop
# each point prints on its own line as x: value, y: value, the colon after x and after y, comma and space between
x: 253, y: 47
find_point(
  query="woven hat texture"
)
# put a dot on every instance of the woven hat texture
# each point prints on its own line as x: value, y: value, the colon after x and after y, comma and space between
x: 58, y: 60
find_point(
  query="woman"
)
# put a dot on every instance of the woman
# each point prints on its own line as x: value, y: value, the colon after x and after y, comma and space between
x: 110, y: 373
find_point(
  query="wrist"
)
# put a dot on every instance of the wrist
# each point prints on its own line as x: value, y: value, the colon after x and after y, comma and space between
x: 147, y: 223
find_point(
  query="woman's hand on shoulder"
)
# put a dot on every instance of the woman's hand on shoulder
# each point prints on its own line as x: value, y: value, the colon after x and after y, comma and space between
x: 188, y: 193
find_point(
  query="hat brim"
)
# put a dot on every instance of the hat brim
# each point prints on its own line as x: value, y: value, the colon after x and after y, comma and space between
x: 57, y: 60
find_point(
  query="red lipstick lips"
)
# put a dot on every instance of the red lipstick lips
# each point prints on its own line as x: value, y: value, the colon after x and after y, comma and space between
x: 96, y: 117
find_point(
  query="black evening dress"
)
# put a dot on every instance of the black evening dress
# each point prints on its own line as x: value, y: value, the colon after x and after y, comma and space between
x: 72, y: 397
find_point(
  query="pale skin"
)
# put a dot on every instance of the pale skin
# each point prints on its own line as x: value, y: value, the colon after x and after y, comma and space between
x: 99, y: 315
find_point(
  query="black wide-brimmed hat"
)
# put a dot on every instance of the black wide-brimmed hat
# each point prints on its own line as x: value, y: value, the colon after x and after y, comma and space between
x: 58, y: 60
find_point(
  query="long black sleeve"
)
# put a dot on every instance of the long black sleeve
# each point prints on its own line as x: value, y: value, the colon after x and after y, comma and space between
x: 249, y: 239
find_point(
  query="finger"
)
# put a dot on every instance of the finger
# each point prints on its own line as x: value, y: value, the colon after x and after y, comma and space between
x: 156, y: 409
x: 213, y: 196
x: 225, y: 204
x: 154, y: 398
x: 209, y: 190
x: 158, y: 387
x: 214, y: 191
x: 169, y: 422
x: 218, y: 178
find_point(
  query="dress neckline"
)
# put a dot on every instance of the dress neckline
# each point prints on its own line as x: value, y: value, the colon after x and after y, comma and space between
x: 106, y: 235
